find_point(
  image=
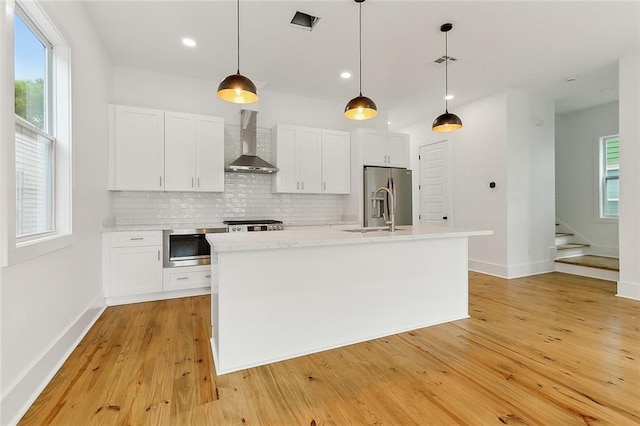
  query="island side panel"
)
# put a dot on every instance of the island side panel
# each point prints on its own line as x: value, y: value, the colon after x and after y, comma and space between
x: 276, y: 304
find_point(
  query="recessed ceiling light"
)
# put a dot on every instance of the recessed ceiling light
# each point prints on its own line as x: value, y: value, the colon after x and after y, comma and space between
x: 570, y: 79
x: 345, y: 74
x: 449, y: 97
x: 188, y: 42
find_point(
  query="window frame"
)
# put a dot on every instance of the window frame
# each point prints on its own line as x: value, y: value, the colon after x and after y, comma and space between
x: 59, y: 120
x: 603, y: 178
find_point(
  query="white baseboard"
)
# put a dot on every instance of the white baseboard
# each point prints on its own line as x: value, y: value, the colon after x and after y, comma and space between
x: 500, y: 271
x: 150, y: 297
x: 24, y: 391
x: 528, y: 269
x: 513, y: 271
x: 628, y: 290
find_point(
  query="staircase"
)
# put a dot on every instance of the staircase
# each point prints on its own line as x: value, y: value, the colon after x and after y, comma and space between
x: 568, y: 244
x: 573, y: 257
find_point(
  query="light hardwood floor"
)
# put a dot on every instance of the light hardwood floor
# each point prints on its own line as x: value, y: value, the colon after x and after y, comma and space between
x: 552, y: 349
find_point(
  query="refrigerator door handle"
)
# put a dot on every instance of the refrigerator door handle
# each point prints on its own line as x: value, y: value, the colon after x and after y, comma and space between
x: 392, y: 186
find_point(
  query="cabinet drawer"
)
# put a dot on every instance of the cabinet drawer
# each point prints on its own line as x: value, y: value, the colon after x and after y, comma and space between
x: 136, y: 239
x: 184, y: 278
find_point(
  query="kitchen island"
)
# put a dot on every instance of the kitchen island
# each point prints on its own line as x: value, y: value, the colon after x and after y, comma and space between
x: 279, y: 295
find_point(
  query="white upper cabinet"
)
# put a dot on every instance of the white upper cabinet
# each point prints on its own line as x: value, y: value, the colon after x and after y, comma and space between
x: 194, y: 152
x: 136, y: 149
x: 152, y: 150
x: 336, y: 164
x: 297, y: 152
x: 209, y: 154
x: 384, y: 149
x: 398, y: 150
x: 180, y: 151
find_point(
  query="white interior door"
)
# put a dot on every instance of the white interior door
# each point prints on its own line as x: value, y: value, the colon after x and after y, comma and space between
x: 435, y: 183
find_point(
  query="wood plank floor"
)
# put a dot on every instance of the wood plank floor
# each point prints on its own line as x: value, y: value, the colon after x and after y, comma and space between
x: 552, y: 349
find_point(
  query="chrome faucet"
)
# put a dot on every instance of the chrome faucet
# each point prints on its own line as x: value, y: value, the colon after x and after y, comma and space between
x: 391, y: 221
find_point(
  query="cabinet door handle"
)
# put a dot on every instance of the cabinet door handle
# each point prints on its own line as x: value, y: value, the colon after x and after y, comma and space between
x: 302, y: 184
x: 198, y: 182
x: 136, y: 238
x: 298, y: 185
x: 158, y: 255
x: 160, y: 180
x: 325, y: 186
x: 207, y: 276
x: 192, y: 182
x: 182, y: 278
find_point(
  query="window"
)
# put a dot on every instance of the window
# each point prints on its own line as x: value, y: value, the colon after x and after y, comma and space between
x: 609, y: 176
x: 35, y: 142
x: 38, y: 180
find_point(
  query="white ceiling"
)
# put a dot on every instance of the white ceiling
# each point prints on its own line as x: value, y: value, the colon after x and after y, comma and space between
x: 532, y: 45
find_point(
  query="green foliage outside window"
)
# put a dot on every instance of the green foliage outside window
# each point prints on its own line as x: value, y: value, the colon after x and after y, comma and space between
x: 29, y: 101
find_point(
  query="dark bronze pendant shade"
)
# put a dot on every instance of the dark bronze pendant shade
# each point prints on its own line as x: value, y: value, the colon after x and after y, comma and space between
x: 237, y: 88
x: 447, y: 122
x: 360, y: 107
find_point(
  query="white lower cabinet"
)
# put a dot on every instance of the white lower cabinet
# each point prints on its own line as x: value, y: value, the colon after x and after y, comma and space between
x: 133, y: 270
x: 186, y: 277
x: 134, y: 263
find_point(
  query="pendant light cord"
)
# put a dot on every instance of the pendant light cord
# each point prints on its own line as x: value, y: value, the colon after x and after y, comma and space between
x: 446, y: 71
x: 360, y: 41
x: 238, y: 30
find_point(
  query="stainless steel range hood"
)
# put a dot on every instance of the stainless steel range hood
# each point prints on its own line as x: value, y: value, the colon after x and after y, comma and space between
x: 249, y: 162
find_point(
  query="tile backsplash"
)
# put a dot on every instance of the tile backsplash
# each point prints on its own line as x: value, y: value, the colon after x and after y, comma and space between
x: 246, y: 195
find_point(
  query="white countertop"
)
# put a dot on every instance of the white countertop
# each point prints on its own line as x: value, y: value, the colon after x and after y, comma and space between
x: 161, y: 227
x: 326, y: 237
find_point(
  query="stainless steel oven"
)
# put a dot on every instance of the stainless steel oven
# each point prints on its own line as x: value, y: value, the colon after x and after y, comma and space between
x: 187, y: 247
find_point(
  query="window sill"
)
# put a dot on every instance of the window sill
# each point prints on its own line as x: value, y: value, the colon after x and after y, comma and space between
x: 607, y: 220
x: 33, y: 249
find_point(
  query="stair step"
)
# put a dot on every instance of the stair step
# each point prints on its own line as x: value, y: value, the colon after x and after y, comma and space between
x: 592, y: 261
x: 571, y: 246
x: 564, y: 234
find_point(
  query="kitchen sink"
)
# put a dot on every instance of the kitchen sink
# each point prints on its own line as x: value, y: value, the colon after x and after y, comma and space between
x: 367, y: 230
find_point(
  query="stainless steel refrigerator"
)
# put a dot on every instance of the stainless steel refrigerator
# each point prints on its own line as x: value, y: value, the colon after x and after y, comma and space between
x: 399, y: 182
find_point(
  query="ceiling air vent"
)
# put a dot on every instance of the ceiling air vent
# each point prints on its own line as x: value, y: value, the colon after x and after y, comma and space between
x: 304, y: 21
x: 443, y: 58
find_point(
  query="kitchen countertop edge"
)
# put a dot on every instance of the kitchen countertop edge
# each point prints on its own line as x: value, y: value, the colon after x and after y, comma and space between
x: 328, y: 237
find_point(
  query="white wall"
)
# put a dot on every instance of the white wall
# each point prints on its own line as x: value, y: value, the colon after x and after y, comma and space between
x: 577, y: 154
x: 153, y: 90
x: 507, y: 138
x: 629, y: 223
x: 530, y: 184
x: 48, y: 302
x: 480, y: 157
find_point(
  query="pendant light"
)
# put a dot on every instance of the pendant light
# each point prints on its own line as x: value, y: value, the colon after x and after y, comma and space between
x: 237, y: 88
x: 446, y: 122
x: 360, y: 107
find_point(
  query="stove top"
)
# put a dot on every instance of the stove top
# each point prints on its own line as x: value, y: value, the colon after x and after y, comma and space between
x: 252, y: 222
x: 253, y: 225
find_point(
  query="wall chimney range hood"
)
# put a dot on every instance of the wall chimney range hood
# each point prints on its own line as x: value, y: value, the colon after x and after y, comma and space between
x: 249, y: 162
